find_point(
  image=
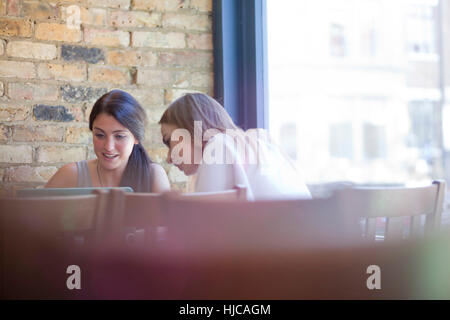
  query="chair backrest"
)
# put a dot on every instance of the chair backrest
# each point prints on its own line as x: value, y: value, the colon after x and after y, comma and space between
x: 403, y: 209
x: 322, y: 273
x: 42, y: 237
x: 406, y: 269
x: 235, y: 226
x: 138, y: 218
x: 133, y: 218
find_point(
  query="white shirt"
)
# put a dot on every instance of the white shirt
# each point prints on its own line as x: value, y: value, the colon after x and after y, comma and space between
x: 263, y: 170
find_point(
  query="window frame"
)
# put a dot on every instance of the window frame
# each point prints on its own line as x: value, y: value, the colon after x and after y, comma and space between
x: 240, y: 60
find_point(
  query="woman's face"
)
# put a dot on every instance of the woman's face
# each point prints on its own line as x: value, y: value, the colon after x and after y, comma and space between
x: 113, y: 143
x: 182, y: 145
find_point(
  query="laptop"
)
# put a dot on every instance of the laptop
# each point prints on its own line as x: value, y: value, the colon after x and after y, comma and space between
x: 50, y: 192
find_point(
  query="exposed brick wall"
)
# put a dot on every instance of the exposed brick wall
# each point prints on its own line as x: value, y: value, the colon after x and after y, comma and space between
x: 51, y: 72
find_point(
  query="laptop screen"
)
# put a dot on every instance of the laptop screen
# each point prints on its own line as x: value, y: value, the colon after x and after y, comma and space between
x: 50, y: 192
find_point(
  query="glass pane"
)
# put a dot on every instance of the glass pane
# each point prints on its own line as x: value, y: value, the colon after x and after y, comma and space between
x: 355, y: 88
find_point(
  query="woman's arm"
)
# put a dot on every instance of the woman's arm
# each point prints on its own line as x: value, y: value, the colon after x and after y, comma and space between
x: 160, y: 180
x: 65, y: 177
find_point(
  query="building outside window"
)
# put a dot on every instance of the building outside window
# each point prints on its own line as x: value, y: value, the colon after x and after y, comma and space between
x: 359, y: 83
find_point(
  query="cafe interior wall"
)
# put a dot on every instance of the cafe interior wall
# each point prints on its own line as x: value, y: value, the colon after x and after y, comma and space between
x: 58, y: 57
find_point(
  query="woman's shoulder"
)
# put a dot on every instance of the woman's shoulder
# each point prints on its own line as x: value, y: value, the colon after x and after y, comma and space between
x: 65, y: 177
x: 160, y: 180
x: 156, y: 167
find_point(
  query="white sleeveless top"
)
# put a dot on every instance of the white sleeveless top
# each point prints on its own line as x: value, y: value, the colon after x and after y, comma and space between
x: 271, y: 176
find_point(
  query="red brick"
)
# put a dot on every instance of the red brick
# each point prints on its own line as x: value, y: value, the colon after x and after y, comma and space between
x: 88, y: 16
x: 155, y: 78
x: 153, y: 136
x: 107, y: 38
x: 106, y: 74
x: 16, y: 154
x: 13, y: 7
x: 194, y: 59
x: 135, y: 19
x: 158, y: 155
x: 200, y: 41
x: 2, y: 7
x: 172, y: 40
x: 121, y: 4
x: 187, y: 22
x: 68, y: 72
x: 78, y: 135
x: 14, y: 113
x: 29, y: 174
x: 202, y: 5
x: 4, y: 133
x: 31, y: 133
x: 159, y: 5
x: 58, y: 154
x: 93, y: 16
x: 154, y: 114
x: 32, y: 91
x: 31, y: 50
x: 187, y: 79
x: 148, y: 96
x: 77, y: 2
x: 132, y: 58
x: 40, y: 10
x: 57, y: 32
x: 16, y: 69
x: 15, y: 27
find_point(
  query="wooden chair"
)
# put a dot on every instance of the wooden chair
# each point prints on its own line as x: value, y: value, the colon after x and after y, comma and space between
x: 138, y: 218
x: 404, y: 208
x: 134, y: 218
x: 261, y: 225
x: 319, y: 273
x: 41, y: 237
x: 411, y: 269
x: 226, y: 244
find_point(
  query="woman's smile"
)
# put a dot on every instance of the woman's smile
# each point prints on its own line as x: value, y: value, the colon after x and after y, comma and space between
x: 110, y: 157
x: 113, y: 143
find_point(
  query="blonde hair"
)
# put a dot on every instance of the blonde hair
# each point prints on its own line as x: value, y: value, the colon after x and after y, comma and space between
x: 198, y: 107
x: 201, y: 107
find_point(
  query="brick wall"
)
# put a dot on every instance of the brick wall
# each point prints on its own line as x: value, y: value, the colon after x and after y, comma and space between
x: 51, y: 72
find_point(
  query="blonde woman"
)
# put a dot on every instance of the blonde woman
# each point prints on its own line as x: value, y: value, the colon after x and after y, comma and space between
x: 204, y: 142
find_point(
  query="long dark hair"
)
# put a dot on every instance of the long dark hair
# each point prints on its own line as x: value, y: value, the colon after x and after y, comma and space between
x: 129, y: 113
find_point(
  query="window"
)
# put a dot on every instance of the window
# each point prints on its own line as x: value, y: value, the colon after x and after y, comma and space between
x: 338, y: 40
x: 288, y: 139
x: 421, y: 28
x: 361, y: 83
x: 341, y: 140
x: 374, y: 141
